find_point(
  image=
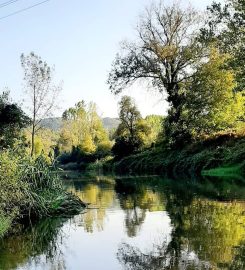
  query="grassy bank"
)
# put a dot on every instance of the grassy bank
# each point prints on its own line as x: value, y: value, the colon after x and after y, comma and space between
x: 225, y: 171
x: 218, y: 155
x: 30, y: 190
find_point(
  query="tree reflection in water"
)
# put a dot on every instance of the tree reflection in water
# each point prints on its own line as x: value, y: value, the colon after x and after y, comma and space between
x: 134, y: 219
x: 136, y: 199
x: 207, y: 234
x: 43, y: 239
x: 100, y: 195
x: 132, y: 258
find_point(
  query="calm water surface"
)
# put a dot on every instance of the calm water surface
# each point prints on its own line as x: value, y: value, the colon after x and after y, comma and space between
x: 138, y: 223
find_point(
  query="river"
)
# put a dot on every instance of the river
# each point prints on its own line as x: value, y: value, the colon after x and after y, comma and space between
x: 138, y: 223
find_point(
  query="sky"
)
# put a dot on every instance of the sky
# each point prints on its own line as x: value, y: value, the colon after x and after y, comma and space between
x: 80, y: 38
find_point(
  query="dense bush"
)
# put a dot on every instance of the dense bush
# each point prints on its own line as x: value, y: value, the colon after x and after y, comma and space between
x: 220, y: 151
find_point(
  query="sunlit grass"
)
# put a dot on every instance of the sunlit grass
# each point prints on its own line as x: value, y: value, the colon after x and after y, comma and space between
x: 223, y: 171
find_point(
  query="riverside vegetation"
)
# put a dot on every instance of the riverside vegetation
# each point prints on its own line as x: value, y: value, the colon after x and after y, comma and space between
x: 30, y: 187
x: 198, y: 63
x: 31, y: 190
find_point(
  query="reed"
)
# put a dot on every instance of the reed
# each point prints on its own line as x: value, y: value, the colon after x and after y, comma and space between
x: 31, y: 189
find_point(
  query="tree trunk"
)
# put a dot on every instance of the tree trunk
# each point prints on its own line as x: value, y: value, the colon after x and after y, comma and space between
x: 32, y: 139
x: 33, y: 121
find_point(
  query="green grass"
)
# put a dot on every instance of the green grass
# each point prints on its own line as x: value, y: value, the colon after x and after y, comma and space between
x: 223, y: 171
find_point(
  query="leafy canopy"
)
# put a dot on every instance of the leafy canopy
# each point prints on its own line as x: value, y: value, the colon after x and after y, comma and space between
x: 212, y: 104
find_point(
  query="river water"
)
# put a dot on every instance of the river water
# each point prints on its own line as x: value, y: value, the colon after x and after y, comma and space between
x: 138, y: 223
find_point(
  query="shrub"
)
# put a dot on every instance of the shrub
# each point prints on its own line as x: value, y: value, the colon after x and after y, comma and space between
x: 31, y: 188
x: 12, y: 188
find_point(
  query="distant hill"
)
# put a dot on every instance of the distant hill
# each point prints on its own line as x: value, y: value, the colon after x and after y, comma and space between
x: 110, y: 123
x: 55, y: 123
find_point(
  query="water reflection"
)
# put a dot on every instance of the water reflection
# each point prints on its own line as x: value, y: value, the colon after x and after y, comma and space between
x: 158, y: 258
x: 99, y: 193
x: 207, y: 234
x: 135, y: 199
x: 139, y: 224
x: 43, y: 238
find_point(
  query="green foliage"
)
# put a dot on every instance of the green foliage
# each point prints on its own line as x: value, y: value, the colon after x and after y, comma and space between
x: 129, y: 115
x: 104, y: 149
x: 225, y: 150
x: 11, y: 184
x: 83, y: 133
x: 133, y: 133
x: 31, y: 189
x: 223, y: 171
x: 124, y: 146
x: 225, y: 26
x: 12, y: 120
x: 5, y: 223
x: 45, y: 143
x: 156, y: 126
x: 212, y: 105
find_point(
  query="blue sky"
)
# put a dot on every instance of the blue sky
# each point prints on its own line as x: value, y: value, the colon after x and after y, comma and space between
x: 80, y: 38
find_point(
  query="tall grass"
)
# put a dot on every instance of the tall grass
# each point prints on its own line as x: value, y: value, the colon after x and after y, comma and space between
x: 31, y: 189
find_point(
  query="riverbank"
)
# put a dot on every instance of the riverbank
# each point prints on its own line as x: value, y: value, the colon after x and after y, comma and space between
x: 214, y: 156
x: 31, y: 190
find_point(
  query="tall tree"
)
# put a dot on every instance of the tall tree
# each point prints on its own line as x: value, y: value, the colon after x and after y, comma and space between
x: 166, y: 53
x: 129, y: 116
x: 40, y: 89
x: 132, y: 131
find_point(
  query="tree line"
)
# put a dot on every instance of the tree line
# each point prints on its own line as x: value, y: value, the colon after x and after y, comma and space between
x: 197, y: 61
